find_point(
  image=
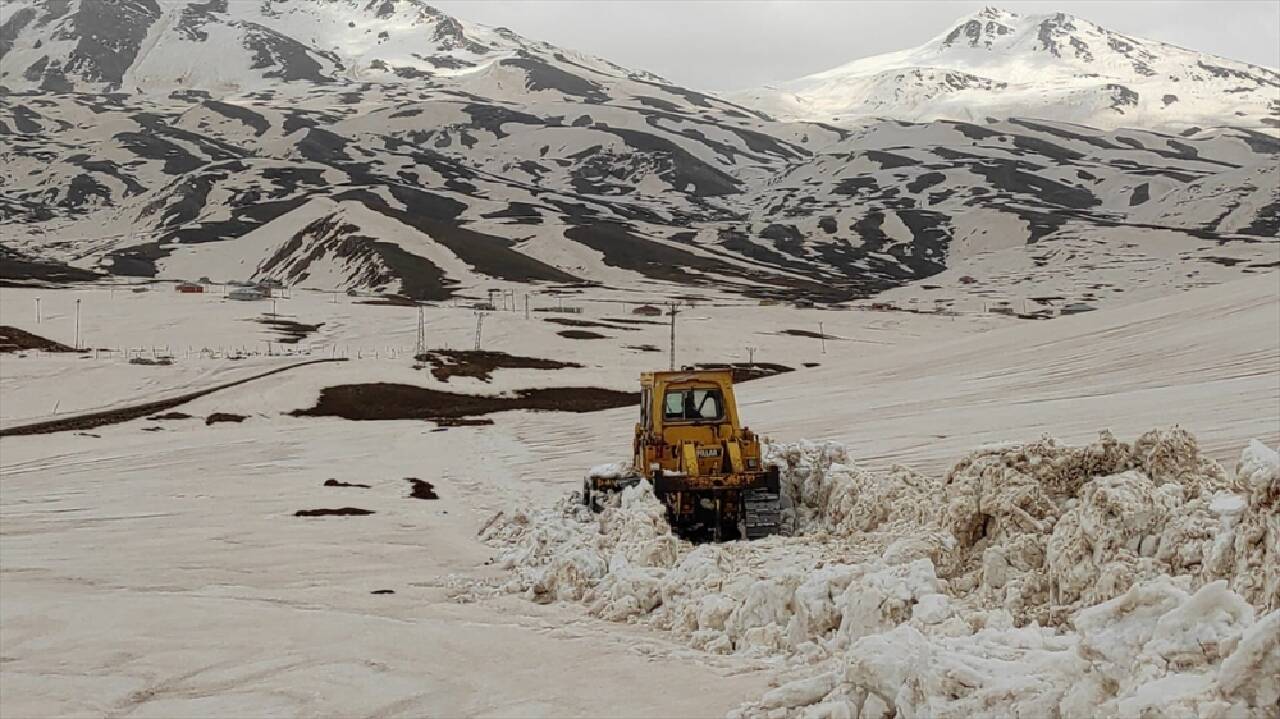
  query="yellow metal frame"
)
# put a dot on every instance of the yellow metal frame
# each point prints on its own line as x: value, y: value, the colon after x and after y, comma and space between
x: 673, y: 446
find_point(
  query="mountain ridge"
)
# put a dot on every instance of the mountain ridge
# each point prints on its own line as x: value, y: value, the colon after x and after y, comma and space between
x: 537, y: 165
x: 1057, y: 66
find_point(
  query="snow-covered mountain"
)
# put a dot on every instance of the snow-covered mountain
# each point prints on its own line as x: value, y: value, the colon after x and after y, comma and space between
x: 999, y: 64
x: 227, y: 47
x: 383, y: 144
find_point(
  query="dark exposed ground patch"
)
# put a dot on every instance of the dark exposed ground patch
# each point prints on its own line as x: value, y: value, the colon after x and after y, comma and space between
x: 487, y: 254
x: 12, y: 26
x: 581, y: 335
x: 339, y: 512
x: 1046, y: 148
x: 169, y: 416
x: 259, y: 123
x: 176, y: 159
x: 643, y: 348
x: 747, y: 371
x: 682, y: 168
x: 1141, y: 194
x: 289, y: 331
x: 481, y: 364
x: 136, y: 261
x: 217, y: 417
x: 421, y: 489
x: 336, y: 483
x: 291, y: 60
x: 383, y: 591
x: 124, y: 414
x: 384, y: 401
x: 493, y: 117
x: 13, y: 339
x: 567, y: 322
x: 320, y: 145
x: 811, y: 364
x: 888, y: 160
x: 381, y: 262
x: 658, y: 103
x: 623, y: 249
x: 108, y: 36
x: 1022, y: 177
x: 1039, y: 224
x: 809, y: 333
x: 1066, y: 134
x: 632, y: 321
x: 739, y: 242
x: 109, y: 168
x: 522, y: 213
x: 1266, y: 222
x: 543, y: 76
x: 1224, y: 261
x: 444, y: 423
x: 924, y: 181
x: 785, y: 238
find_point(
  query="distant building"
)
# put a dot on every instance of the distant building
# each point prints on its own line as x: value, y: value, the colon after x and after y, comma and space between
x: 246, y: 294
x: 189, y: 288
x: 804, y: 304
x: 647, y: 310
x: 272, y: 284
x: 205, y: 281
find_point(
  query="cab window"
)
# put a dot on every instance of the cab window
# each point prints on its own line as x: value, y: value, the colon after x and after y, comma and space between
x: 693, y: 405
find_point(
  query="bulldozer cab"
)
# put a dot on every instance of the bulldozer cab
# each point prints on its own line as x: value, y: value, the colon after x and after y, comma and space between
x: 686, y: 398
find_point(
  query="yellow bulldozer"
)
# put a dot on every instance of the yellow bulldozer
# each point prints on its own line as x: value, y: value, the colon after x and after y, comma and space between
x: 703, y: 464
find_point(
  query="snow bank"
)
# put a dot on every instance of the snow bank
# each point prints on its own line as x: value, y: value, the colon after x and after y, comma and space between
x: 1111, y: 579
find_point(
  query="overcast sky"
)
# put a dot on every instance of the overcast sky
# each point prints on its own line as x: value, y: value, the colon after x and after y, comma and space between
x: 734, y: 44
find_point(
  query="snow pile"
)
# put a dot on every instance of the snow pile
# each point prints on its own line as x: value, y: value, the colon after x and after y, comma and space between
x: 1042, y: 529
x: 1038, y: 579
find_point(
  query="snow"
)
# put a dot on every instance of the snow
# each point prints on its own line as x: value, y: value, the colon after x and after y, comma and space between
x: 989, y: 625
x: 1000, y: 64
x: 185, y: 536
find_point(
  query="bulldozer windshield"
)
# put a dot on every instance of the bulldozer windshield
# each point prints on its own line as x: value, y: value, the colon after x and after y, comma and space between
x: 699, y: 404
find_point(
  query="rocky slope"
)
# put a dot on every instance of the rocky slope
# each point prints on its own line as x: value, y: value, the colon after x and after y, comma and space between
x: 387, y: 145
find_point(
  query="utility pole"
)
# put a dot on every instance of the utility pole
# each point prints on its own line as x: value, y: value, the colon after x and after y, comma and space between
x: 420, y: 347
x: 77, y: 344
x: 479, y: 326
x: 526, y: 305
x: 823, y: 337
x: 751, y: 355
x: 37, y: 310
x: 673, y: 334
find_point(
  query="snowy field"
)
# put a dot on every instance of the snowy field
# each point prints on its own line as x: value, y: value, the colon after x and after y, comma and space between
x: 157, y: 568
